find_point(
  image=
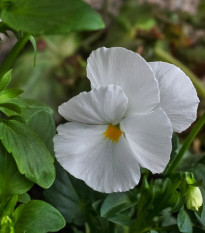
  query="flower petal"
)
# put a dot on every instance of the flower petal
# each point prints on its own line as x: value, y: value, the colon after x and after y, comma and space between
x: 129, y: 70
x: 102, y: 105
x: 149, y: 135
x: 104, y: 165
x: 178, y: 97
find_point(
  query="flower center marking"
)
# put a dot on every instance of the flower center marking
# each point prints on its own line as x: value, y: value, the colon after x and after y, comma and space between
x: 113, y: 133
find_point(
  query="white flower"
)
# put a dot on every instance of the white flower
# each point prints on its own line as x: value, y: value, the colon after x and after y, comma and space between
x: 126, y: 121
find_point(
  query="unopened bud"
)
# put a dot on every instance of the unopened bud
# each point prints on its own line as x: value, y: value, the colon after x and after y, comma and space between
x: 194, y: 199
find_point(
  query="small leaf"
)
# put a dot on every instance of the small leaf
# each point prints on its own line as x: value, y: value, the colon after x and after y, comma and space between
x: 12, y: 182
x: 24, y: 198
x: 5, y: 80
x: 33, y: 42
x: 9, y: 94
x: 10, y: 109
x: 184, y: 222
x: 37, y: 217
x: 30, y: 153
x: 51, y: 17
x: 117, y: 202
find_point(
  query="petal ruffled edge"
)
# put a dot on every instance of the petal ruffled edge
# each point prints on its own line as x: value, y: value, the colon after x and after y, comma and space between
x: 102, y: 105
x: 178, y: 96
x: 129, y: 70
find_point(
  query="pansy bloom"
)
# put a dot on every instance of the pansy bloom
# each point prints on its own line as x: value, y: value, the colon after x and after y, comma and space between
x: 126, y: 121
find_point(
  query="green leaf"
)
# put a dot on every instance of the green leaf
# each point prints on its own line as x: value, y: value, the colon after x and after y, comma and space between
x: 30, y: 153
x: 33, y: 42
x: 184, y: 222
x: 39, y: 117
x: 7, y: 95
x: 117, y: 202
x: 10, y: 109
x: 121, y: 219
x: 24, y: 198
x: 51, y: 17
x: 37, y: 217
x: 7, y: 206
x: 72, y: 197
x: 5, y: 80
x: 12, y: 182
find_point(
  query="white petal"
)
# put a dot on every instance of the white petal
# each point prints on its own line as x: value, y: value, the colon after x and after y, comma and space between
x: 178, y: 97
x: 149, y: 135
x: 102, y: 105
x: 85, y: 153
x: 129, y: 70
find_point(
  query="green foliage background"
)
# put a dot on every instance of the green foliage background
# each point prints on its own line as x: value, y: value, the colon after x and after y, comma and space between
x: 54, y: 39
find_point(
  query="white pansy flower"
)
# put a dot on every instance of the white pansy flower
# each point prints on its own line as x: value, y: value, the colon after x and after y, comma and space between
x: 126, y: 121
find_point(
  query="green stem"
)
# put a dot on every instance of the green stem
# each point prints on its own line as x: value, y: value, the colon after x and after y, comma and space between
x: 164, y: 56
x: 10, y: 59
x: 186, y: 145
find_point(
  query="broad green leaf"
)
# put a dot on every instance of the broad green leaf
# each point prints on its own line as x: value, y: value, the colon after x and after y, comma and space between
x: 5, y: 80
x: 11, y: 181
x: 39, y: 117
x: 30, y: 153
x: 51, y: 17
x: 184, y: 222
x: 10, y: 109
x: 117, y: 202
x: 7, y: 95
x: 72, y: 197
x: 37, y: 217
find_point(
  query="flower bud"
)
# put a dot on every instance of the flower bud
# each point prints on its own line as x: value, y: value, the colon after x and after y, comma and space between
x: 194, y: 199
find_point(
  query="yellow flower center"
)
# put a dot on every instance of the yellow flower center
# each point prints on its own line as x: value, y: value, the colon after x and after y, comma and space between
x: 113, y: 133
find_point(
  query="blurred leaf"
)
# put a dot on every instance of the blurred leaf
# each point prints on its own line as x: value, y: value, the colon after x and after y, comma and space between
x: 4, y: 28
x: 199, y: 171
x: 7, y: 95
x: 11, y: 181
x: 184, y: 222
x: 51, y: 17
x: 7, y: 205
x: 121, y: 219
x: 37, y: 217
x: 33, y: 42
x: 10, y: 109
x: 24, y: 198
x: 5, y: 80
x: 42, y: 82
x: 72, y: 197
x: 117, y: 202
x: 30, y: 153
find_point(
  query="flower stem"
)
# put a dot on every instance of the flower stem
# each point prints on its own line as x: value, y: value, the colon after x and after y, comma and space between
x: 174, y: 164
x: 10, y: 59
x: 164, y: 56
